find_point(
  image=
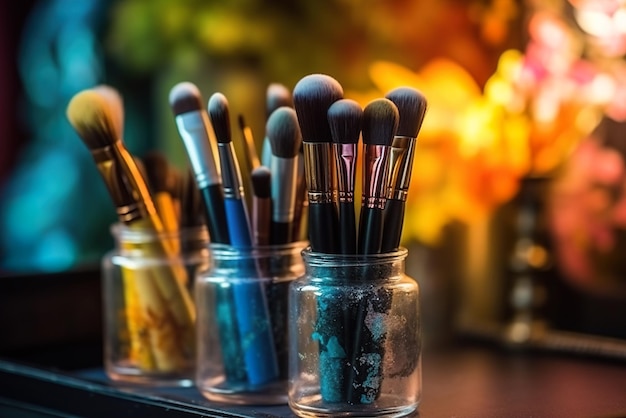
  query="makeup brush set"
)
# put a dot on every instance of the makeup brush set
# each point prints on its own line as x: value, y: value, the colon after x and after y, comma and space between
x: 355, y: 278
x: 302, y: 191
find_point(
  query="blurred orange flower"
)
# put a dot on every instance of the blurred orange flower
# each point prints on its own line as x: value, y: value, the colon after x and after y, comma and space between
x: 476, y: 144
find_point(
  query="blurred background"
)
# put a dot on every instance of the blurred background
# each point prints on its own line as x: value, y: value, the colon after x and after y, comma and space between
x: 516, y: 211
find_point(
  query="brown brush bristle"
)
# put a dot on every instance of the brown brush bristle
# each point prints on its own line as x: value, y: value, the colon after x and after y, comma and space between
x: 192, y: 211
x: 157, y: 170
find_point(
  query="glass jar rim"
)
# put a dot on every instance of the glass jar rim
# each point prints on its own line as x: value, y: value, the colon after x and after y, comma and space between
x: 126, y: 233
x: 228, y: 252
x: 313, y: 258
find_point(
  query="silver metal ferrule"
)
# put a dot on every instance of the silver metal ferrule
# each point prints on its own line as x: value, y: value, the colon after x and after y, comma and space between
x: 318, y: 171
x: 231, y: 176
x: 345, y: 161
x: 284, y: 178
x: 193, y: 128
x: 400, y: 167
x: 375, y: 179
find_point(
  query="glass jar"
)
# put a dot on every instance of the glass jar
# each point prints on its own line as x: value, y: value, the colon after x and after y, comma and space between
x: 355, y: 337
x: 242, y: 310
x: 149, y: 314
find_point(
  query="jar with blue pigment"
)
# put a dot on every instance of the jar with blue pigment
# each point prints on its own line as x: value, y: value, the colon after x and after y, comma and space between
x: 242, y: 324
x: 355, y: 337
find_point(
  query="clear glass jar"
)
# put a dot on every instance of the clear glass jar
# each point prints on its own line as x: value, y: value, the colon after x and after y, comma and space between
x: 149, y: 313
x: 242, y: 310
x: 355, y: 337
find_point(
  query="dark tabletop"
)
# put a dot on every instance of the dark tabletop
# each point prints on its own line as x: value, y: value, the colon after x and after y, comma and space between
x: 460, y: 379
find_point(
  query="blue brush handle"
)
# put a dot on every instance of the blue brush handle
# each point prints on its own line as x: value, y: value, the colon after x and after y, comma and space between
x: 238, y: 225
x: 255, y: 331
x: 232, y: 354
x: 333, y: 341
x: 253, y: 317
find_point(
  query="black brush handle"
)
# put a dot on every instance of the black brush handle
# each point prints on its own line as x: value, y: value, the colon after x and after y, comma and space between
x: 370, y: 230
x: 323, y: 227
x: 392, y: 231
x: 213, y: 198
x: 280, y: 233
x: 364, y: 378
x: 347, y: 228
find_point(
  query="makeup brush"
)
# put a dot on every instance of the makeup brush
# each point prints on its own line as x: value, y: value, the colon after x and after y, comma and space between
x: 192, y: 211
x: 380, y: 123
x: 237, y: 216
x: 250, y: 155
x: 283, y: 132
x: 195, y: 130
x: 96, y: 119
x: 411, y: 106
x: 252, y: 158
x: 277, y: 95
x: 300, y: 217
x: 249, y: 295
x: 312, y: 96
x: 243, y: 304
x: 157, y: 170
x: 261, y: 205
x: 175, y: 189
x: 96, y: 138
x: 345, y: 119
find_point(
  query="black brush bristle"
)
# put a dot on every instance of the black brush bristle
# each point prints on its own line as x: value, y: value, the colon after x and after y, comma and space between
x: 191, y: 206
x: 345, y: 117
x: 312, y: 96
x: 261, y: 178
x: 277, y: 95
x: 411, y: 105
x: 241, y: 121
x: 92, y: 116
x: 220, y: 117
x: 174, y: 181
x: 283, y: 132
x: 185, y: 97
x: 380, y: 122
